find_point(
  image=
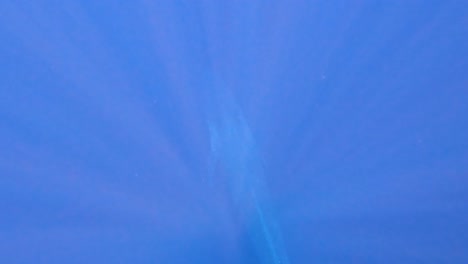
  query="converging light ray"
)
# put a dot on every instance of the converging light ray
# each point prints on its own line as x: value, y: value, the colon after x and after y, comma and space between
x: 234, y: 149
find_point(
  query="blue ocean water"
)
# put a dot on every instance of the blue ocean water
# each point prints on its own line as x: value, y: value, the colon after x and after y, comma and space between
x: 221, y: 131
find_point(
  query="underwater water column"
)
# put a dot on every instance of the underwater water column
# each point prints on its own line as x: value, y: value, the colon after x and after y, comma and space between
x: 234, y: 149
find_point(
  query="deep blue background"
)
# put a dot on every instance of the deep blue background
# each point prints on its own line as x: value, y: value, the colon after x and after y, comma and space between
x: 360, y: 109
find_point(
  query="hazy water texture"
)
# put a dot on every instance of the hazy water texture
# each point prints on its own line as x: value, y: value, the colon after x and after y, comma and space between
x: 233, y: 131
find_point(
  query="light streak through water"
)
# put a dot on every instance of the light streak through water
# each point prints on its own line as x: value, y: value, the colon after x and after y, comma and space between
x: 234, y: 149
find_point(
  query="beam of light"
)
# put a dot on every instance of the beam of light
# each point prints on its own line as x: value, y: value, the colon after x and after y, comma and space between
x: 233, y: 147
